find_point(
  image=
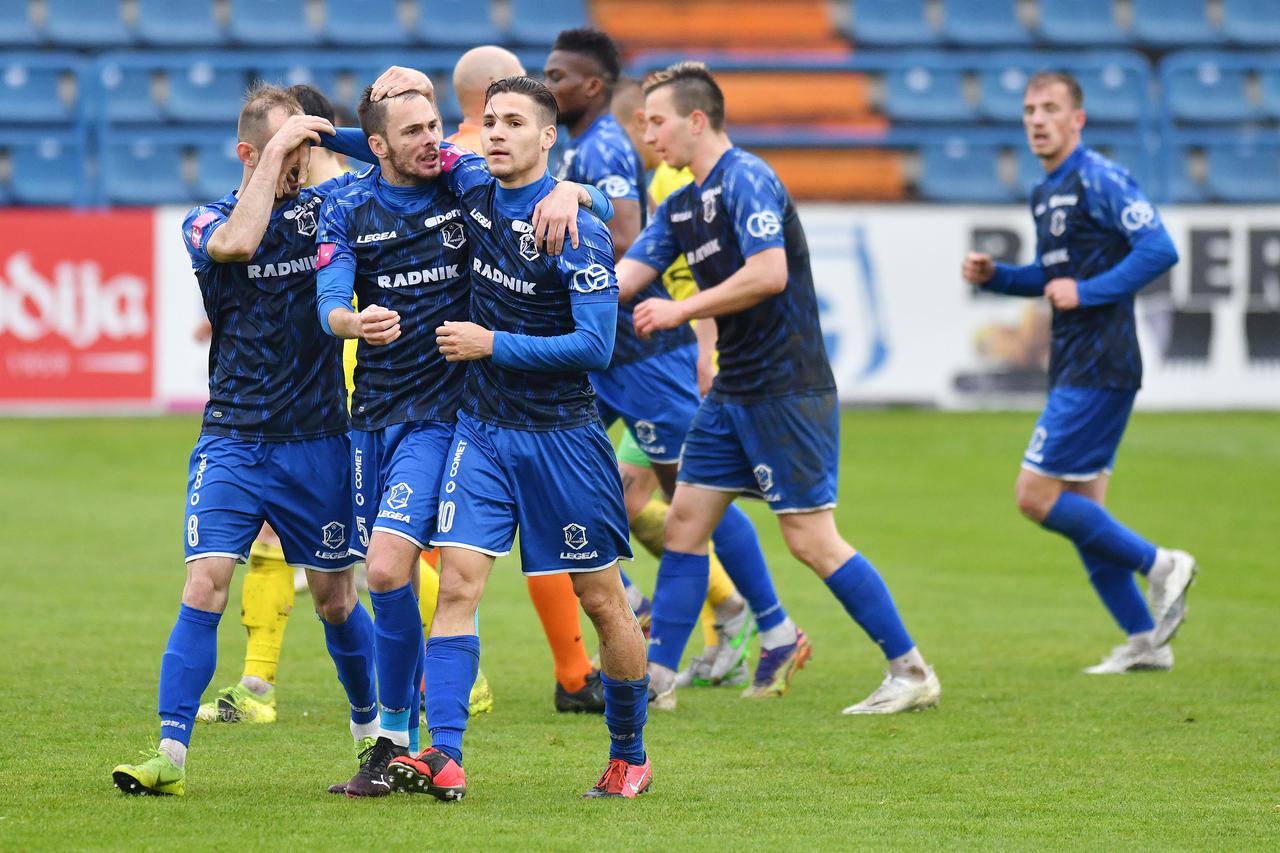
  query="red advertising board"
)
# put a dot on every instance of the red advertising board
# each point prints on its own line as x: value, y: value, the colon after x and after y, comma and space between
x: 77, y: 307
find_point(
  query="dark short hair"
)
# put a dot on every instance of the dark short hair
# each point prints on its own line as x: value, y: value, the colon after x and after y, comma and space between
x: 1047, y: 77
x: 260, y: 100
x: 588, y: 41
x: 373, y: 114
x: 313, y: 101
x: 693, y: 88
x: 533, y: 89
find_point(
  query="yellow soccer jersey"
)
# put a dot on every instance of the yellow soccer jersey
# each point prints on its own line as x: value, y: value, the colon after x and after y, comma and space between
x: 677, y: 279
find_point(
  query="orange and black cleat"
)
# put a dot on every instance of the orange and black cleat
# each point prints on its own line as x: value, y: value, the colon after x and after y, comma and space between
x: 429, y: 772
x: 621, y: 779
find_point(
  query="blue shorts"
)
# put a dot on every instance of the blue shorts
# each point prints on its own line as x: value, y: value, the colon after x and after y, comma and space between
x: 786, y: 451
x: 561, y: 488
x: 395, y: 480
x: 301, y: 488
x: 656, y: 398
x: 1078, y: 433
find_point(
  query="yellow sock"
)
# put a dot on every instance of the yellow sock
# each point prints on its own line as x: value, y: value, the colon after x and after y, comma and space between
x: 649, y: 524
x: 267, y: 603
x: 719, y: 587
x: 428, y: 591
x: 708, y: 620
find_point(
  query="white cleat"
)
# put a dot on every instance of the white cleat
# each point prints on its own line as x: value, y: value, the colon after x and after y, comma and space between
x: 1136, y: 655
x: 735, y: 636
x: 698, y: 672
x: 896, y: 694
x: 662, y: 688
x: 1167, y: 595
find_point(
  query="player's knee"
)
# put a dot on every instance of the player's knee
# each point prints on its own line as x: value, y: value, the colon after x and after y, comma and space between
x: 205, y: 591
x: 682, y: 529
x: 384, y: 573
x: 458, y: 594
x: 336, y: 606
x: 1034, y: 502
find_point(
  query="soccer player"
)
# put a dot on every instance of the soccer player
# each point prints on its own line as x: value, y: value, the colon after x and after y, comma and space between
x: 770, y: 426
x: 1098, y: 242
x: 652, y: 384
x: 273, y: 446
x: 529, y: 451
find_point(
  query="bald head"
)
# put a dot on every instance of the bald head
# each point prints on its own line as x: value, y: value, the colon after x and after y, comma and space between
x: 477, y: 68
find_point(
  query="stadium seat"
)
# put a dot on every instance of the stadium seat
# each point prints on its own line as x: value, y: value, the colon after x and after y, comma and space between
x: 218, y: 169
x: 1252, y: 22
x: 85, y: 23
x: 903, y: 23
x: 804, y: 25
x: 957, y: 171
x: 143, y: 171
x: 1001, y: 92
x: 983, y: 23
x: 538, y: 22
x: 190, y: 23
x: 921, y: 94
x: 792, y: 97
x: 16, y: 29
x: 203, y: 93
x: 270, y: 22
x: 46, y: 171
x: 1181, y: 184
x: 1244, y: 173
x: 30, y: 94
x: 1172, y: 23
x: 1269, y: 91
x: 1113, y: 94
x: 364, y: 23
x: 839, y: 174
x: 1085, y: 23
x: 462, y: 23
x: 128, y: 95
x: 1207, y: 92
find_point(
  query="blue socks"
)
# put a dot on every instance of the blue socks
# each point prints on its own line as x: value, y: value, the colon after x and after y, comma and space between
x: 186, y: 670
x: 678, y: 595
x: 414, y: 720
x: 1092, y: 528
x: 1118, y: 589
x: 351, y: 647
x: 626, y: 708
x: 452, y: 663
x: 398, y: 653
x: 863, y: 593
x: 738, y: 548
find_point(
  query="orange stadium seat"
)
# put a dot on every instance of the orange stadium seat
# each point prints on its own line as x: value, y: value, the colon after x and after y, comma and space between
x: 719, y: 23
x: 775, y: 97
x: 839, y: 174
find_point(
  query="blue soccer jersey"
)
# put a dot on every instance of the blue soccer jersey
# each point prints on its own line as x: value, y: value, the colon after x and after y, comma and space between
x: 274, y: 375
x: 774, y: 348
x: 1088, y: 214
x: 411, y: 258
x: 604, y: 156
x: 518, y: 289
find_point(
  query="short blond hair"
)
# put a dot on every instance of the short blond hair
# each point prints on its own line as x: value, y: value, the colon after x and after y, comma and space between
x: 260, y: 100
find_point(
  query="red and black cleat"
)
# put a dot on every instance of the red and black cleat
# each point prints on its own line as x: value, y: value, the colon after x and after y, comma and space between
x: 621, y: 779
x: 429, y: 772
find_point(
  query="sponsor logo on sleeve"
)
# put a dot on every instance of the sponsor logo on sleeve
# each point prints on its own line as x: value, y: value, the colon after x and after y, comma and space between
x: 764, y: 224
x: 1137, y: 215
x: 590, y: 279
x: 614, y: 186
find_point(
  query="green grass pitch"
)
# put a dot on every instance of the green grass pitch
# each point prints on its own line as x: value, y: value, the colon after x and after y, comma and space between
x: 1024, y: 752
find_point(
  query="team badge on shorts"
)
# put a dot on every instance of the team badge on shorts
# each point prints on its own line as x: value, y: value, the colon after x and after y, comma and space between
x: 1035, y: 447
x: 764, y: 477
x: 575, y: 536
x: 333, y: 535
x: 399, y: 496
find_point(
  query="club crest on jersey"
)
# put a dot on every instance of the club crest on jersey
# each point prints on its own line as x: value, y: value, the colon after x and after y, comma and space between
x: 614, y: 186
x: 764, y: 224
x: 303, y: 216
x: 764, y: 477
x: 1058, y: 222
x: 708, y: 208
x: 590, y: 279
x: 528, y: 249
x: 398, y: 497
x: 453, y: 236
x: 575, y: 536
x: 333, y: 535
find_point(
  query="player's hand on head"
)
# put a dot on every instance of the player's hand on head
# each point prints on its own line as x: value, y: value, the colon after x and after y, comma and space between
x: 300, y: 129
x: 462, y: 341
x: 1063, y: 294
x: 379, y: 326
x: 398, y: 79
x: 978, y: 268
x: 555, y: 216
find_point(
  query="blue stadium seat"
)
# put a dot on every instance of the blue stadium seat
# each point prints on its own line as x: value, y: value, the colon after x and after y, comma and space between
x: 902, y: 23
x: 457, y: 22
x: 983, y: 23
x: 1172, y: 23
x: 1269, y: 89
x: 1252, y: 22
x: 538, y: 22
x: 1207, y: 92
x: 1086, y: 23
x: 203, y: 93
x: 1244, y: 173
x: 143, y: 171
x: 30, y: 94
x: 921, y: 94
x: 1002, y: 88
x: 270, y: 22
x: 46, y: 171
x: 1181, y: 185
x: 960, y: 172
x: 219, y: 170
x: 128, y: 95
x: 86, y: 23
x: 1113, y: 94
x: 16, y: 29
x: 364, y: 23
x: 190, y: 23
